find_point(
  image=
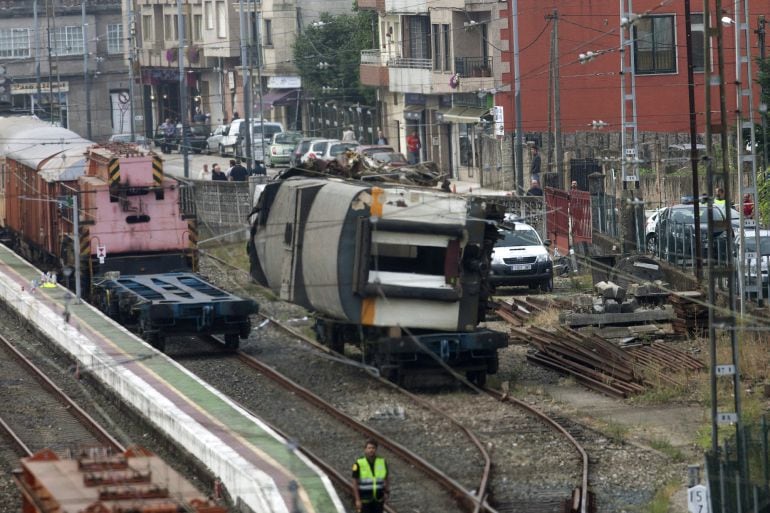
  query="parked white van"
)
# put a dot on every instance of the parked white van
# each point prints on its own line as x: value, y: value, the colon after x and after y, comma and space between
x: 233, y: 142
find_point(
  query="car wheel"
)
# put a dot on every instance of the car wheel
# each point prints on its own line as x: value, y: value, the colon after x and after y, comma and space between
x: 652, y: 244
x: 546, y: 285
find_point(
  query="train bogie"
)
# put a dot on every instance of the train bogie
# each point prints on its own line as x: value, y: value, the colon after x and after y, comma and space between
x: 173, y: 304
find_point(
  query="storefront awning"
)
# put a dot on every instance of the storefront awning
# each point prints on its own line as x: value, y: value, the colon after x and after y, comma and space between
x: 413, y: 112
x: 464, y: 115
x: 278, y: 98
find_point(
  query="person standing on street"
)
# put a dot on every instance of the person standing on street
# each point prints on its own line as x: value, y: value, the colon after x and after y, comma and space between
x: 535, y: 189
x: 381, y: 139
x: 169, y: 130
x: 238, y: 173
x: 371, y: 480
x: 217, y: 173
x: 534, y: 165
x: 413, y: 147
x: 349, y: 135
x: 205, y: 174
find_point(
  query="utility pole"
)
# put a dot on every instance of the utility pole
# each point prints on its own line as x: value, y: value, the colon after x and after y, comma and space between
x: 258, y: 44
x: 37, y: 57
x: 519, y: 145
x: 48, y: 15
x: 183, y: 91
x: 246, y: 73
x: 131, y: 63
x: 551, y: 74
x: 557, y: 101
x: 76, y: 243
x: 760, y: 32
x: 86, y: 81
x: 693, y: 141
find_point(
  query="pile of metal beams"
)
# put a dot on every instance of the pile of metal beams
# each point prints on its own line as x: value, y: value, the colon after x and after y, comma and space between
x: 691, y: 311
x: 516, y: 311
x: 601, y: 365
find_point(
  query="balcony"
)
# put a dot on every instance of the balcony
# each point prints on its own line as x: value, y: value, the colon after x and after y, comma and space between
x: 406, y: 6
x: 475, y: 73
x: 410, y: 75
x: 377, y: 5
x: 372, y: 69
x: 473, y: 67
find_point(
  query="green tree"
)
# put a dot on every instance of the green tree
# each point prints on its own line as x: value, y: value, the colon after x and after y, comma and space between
x: 328, y: 55
x: 763, y: 184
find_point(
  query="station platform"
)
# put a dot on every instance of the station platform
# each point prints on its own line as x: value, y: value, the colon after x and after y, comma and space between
x: 250, y: 459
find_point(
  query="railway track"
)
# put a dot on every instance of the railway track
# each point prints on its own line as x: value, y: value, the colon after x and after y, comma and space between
x: 36, y: 414
x: 576, y: 495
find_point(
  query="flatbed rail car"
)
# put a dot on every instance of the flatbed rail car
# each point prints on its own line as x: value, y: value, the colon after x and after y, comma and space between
x: 401, y: 272
x: 178, y: 303
x: 131, y: 220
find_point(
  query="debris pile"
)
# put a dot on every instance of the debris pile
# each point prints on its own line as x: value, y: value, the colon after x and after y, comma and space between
x: 355, y: 166
x: 616, y: 305
x: 516, y: 311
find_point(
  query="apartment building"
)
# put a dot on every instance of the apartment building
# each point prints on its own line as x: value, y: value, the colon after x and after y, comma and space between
x: 43, y: 46
x: 281, y: 21
x: 437, y: 71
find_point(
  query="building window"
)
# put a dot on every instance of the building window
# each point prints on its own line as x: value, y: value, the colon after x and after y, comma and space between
x: 148, y: 34
x: 221, y: 20
x: 14, y: 42
x: 68, y: 41
x: 654, y: 50
x: 447, y: 48
x: 268, y: 32
x: 115, y: 38
x: 437, y: 60
x: 171, y: 27
x: 197, y: 29
x: 209, y: 16
x: 696, y: 27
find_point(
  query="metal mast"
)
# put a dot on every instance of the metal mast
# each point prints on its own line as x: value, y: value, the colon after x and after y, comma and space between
x: 629, y: 132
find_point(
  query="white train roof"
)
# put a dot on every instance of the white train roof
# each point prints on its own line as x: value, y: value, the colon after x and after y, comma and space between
x: 58, y: 153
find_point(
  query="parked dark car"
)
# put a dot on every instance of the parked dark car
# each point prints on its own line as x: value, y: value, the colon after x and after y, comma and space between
x: 675, y: 232
x: 197, y: 135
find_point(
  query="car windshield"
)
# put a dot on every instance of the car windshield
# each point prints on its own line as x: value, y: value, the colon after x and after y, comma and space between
x: 200, y: 129
x: 284, y: 138
x: 338, y: 149
x: 270, y: 130
x: 518, y: 238
x: 764, y: 244
x: 389, y: 157
x: 378, y: 149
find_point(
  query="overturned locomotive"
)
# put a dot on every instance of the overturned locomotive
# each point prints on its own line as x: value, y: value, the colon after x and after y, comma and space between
x: 401, y: 272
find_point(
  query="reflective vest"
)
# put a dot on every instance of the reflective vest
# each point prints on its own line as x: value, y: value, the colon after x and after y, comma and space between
x: 371, y: 485
x: 720, y: 203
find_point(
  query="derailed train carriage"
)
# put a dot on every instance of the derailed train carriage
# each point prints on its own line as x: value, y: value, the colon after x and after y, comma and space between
x: 137, y: 247
x: 401, y: 272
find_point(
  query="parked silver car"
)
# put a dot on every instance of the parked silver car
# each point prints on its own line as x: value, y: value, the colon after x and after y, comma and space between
x: 212, y: 143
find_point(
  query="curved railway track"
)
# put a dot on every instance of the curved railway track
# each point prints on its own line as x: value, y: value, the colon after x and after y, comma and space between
x: 58, y: 422
x: 579, y: 500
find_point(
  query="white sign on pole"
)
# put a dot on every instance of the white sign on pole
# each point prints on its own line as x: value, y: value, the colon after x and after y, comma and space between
x: 698, y: 499
x: 497, y: 113
x: 101, y: 253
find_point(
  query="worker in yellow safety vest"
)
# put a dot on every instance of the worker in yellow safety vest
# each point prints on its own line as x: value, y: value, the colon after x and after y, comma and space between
x: 371, y: 482
x: 719, y: 201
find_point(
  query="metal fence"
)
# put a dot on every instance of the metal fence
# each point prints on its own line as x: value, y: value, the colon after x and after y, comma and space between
x: 739, y: 480
x: 604, y: 214
x: 220, y: 207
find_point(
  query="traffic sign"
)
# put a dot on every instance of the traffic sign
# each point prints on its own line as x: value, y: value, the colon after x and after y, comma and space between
x: 101, y: 253
x: 698, y: 499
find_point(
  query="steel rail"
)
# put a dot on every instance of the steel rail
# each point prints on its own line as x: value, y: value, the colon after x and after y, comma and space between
x: 583, y: 498
x: 15, y: 440
x: 484, y: 482
x: 459, y: 492
x: 76, y: 411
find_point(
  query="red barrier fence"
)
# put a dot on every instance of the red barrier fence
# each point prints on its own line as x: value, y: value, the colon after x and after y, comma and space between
x: 566, y: 209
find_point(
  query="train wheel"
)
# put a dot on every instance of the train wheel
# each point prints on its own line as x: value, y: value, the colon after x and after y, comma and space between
x: 478, y: 378
x: 231, y: 341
